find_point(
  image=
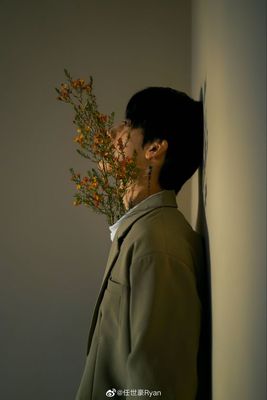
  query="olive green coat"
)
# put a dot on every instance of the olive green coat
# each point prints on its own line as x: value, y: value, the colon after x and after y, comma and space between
x: 146, y: 324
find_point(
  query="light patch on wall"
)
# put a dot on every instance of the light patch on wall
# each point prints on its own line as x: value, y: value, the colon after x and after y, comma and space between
x: 205, y: 147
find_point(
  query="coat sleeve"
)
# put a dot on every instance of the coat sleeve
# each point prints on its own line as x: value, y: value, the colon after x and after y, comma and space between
x: 165, y: 317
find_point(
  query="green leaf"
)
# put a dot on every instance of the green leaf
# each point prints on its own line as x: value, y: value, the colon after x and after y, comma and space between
x: 67, y: 73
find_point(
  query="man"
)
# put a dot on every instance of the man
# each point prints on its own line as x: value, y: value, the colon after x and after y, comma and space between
x: 144, y: 335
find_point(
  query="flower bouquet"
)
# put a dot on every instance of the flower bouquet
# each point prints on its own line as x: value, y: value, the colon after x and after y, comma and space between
x: 103, y: 188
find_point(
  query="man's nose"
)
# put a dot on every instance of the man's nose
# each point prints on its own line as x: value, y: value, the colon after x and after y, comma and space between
x: 115, y: 129
x: 112, y: 132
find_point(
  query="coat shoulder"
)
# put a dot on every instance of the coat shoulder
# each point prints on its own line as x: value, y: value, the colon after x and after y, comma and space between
x: 164, y: 230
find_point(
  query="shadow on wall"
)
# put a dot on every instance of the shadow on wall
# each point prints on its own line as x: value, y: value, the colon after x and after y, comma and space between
x: 205, y: 353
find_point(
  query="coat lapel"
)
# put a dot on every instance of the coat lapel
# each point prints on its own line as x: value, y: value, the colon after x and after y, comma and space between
x: 113, y: 255
x: 114, y: 252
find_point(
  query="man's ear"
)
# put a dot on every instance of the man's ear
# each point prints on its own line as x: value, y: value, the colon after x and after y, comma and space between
x: 156, y: 150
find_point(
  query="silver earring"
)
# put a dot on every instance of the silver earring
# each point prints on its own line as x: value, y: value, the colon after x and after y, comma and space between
x: 149, y: 173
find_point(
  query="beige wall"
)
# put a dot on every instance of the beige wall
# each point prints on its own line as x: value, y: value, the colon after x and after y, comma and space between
x: 228, y: 53
x: 52, y: 254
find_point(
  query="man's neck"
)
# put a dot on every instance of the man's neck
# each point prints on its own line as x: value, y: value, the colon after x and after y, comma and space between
x: 135, y: 194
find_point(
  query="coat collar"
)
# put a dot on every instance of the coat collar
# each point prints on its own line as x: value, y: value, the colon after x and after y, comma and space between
x: 165, y: 198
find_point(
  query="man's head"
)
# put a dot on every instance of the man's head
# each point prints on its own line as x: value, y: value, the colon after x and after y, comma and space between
x: 171, y: 123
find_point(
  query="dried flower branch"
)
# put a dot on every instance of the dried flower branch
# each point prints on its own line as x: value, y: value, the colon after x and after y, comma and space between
x: 104, y: 187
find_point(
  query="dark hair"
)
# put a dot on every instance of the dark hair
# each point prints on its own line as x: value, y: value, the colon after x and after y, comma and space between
x: 166, y: 113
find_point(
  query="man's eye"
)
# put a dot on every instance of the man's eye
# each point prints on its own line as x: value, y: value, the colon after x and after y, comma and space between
x: 127, y: 122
